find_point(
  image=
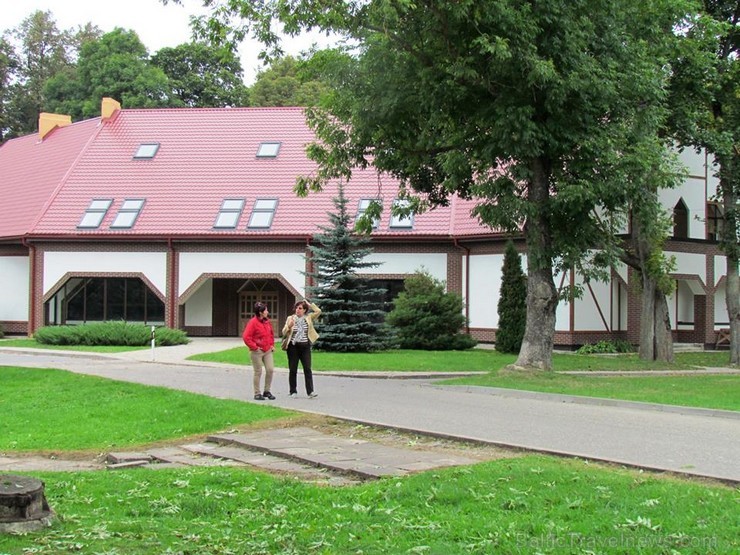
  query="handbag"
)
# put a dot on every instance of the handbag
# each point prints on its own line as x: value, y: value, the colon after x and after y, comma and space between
x: 285, y: 341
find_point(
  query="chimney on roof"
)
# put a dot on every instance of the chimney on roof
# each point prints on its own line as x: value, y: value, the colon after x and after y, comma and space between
x: 48, y: 122
x: 109, y: 107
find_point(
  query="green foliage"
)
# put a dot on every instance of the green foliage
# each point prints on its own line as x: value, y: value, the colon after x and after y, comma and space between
x: 2, y: 333
x: 109, y: 333
x: 42, y: 52
x: 426, y: 317
x: 286, y: 83
x: 203, y: 76
x: 473, y: 98
x: 512, y: 303
x: 606, y: 347
x: 117, y: 66
x: 352, y: 318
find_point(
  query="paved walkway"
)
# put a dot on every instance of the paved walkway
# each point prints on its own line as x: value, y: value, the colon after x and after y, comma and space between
x: 684, y: 440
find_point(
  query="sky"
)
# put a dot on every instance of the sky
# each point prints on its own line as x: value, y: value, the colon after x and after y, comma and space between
x: 156, y: 24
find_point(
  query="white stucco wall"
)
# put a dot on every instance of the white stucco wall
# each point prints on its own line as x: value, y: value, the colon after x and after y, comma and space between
x: 14, y: 288
x: 152, y: 264
x: 720, y: 268
x: 397, y: 263
x: 587, y: 317
x: 721, y: 319
x: 695, y: 162
x: 485, y: 288
x: 199, y: 307
x: 688, y: 263
x: 289, y: 265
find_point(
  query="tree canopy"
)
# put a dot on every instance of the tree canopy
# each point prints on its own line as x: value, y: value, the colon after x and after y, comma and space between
x: 201, y: 75
x: 524, y: 107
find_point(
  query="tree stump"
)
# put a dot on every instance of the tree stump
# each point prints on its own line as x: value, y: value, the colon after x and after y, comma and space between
x: 23, y: 506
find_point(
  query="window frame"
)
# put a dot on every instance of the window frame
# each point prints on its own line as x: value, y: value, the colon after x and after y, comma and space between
x: 139, y: 155
x: 269, y: 154
x: 225, y: 211
x: 400, y: 222
x: 362, y: 205
x: 257, y: 212
x: 124, y: 210
x: 91, y: 210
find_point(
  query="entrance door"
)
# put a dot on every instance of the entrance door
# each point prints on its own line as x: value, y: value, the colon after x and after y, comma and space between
x: 247, y: 300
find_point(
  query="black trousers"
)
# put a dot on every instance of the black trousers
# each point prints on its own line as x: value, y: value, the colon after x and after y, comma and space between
x: 299, y: 352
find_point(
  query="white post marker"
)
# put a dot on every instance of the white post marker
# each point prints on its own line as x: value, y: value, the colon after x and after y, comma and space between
x: 153, y: 328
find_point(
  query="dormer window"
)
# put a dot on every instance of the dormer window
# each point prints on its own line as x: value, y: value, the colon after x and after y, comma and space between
x: 362, y: 208
x: 401, y: 222
x: 127, y: 214
x: 231, y: 211
x: 268, y: 150
x: 93, y: 216
x: 262, y: 213
x: 146, y: 151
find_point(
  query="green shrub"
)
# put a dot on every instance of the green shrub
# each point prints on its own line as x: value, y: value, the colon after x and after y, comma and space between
x: 606, y: 347
x: 426, y: 317
x: 512, y: 303
x: 109, y: 333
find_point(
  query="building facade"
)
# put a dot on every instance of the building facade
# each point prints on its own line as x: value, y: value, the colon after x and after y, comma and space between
x: 186, y: 217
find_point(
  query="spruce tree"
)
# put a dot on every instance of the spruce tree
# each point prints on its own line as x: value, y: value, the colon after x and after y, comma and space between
x: 352, y: 318
x: 426, y: 317
x: 512, y: 303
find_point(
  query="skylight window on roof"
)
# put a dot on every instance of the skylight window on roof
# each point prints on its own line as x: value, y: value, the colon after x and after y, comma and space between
x: 146, y: 150
x: 128, y: 213
x: 262, y: 213
x: 228, y: 216
x: 405, y: 222
x: 362, y: 207
x: 268, y: 150
x: 93, y: 216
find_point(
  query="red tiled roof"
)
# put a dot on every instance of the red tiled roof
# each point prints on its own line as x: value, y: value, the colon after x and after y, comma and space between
x: 32, y: 169
x: 205, y: 156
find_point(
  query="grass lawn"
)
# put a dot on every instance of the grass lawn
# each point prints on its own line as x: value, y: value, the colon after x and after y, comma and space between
x: 530, y: 504
x: 534, y: 504
x: 53, y: 410
x: 473, y: 360
x: 704, y: 391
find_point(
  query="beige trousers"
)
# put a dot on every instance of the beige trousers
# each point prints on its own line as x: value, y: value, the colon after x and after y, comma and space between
x: 262, y: 359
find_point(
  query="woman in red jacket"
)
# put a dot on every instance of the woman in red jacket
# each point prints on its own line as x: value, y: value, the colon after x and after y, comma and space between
x: 260, y: 339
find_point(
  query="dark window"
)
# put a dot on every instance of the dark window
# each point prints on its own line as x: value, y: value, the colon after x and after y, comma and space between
x: 99, y: 299
x: 715, y: 221
x: 680, y: 220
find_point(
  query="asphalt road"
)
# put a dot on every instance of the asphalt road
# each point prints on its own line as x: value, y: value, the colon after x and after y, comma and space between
x: 683, y: 440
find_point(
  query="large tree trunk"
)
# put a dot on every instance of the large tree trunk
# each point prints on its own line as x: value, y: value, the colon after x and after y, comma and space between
x: 662, y: 327
x: 542, y: 295
x: 732, y: 300
x: 647, y: 319
x: 732, y: 254
x: 656, y: 341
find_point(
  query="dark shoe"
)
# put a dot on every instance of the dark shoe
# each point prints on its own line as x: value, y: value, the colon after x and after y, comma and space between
x: 259, y: 397
x: 268, y: 395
